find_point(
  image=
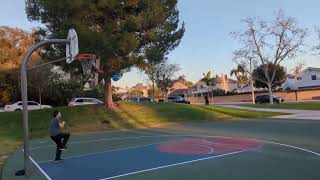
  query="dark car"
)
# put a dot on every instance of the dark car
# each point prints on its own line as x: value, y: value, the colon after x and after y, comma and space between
x: 1, y: 106
x: 266, y: 99
x: 177, y: 99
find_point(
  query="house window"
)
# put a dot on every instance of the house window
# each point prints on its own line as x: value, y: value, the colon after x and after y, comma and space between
x: 314, y: 77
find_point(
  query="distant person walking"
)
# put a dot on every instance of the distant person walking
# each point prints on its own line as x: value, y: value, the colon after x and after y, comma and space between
x: 207, y: 100
x: 56, y: 135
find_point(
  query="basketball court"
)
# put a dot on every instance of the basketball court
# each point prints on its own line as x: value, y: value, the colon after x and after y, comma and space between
x: 247, y: 149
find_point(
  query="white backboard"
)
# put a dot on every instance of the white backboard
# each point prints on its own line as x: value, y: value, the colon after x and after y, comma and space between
x: 72, y: 49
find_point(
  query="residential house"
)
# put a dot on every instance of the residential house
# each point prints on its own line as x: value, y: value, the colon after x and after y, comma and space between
x: 248, y: 88
x: 220, y: 82
x: 178, y: 88
x: 308, y: 78
x: 142, y: 88
x: 122, y: 92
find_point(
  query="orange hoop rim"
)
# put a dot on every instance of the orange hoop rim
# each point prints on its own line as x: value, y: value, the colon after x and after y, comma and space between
x: 86, y: 56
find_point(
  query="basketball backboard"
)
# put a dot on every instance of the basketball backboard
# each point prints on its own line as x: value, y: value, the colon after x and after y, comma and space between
x: 72, y: 48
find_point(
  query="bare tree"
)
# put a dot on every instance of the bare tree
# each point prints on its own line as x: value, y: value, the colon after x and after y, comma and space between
x: 164, y: 73
x: 150, y: 70
x: 317, y: 48
x: 266, y: 42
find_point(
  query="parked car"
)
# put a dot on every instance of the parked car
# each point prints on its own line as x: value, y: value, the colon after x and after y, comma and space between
x: 177, y: 99
x: 31, y: 106
x: 84, y: 101
x: 141, y: 99
x: 266, y: 99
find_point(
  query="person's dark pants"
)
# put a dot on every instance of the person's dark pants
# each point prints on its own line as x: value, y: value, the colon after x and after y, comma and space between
x: 61, y: 140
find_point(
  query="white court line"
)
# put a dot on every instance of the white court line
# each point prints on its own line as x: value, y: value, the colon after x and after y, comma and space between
x: 203, y: 136
x: 294, y: 147
x: 110, y: 139
x: 133, y: 147
x: 112, y: 131
x: 210, y: 148
x: 171, y: 165
x: 40, y: 169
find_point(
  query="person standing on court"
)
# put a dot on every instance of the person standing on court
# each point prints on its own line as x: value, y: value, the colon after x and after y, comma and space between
x: 61, y: 139
x: 207, y: 100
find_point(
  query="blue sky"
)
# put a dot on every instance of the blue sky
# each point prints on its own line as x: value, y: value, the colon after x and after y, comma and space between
x: 207, y: 44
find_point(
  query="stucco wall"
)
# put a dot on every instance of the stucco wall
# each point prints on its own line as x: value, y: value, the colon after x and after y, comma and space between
x: 311, y: 94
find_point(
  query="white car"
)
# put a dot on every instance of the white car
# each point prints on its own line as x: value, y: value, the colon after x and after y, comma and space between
x: 31, y: 106
x: 84, y: 101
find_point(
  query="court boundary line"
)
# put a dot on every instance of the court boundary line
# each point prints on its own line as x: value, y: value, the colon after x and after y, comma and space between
x: 121, y: 149
x: 111, y: 131
x: 110, y: 139
x: 172, y: 165
x: 39, y: 168
x: 203, y: 136
x: 185, y: 135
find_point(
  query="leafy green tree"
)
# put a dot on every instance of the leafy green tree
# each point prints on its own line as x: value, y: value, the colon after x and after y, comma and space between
x: 122, y: 33
x: 279, y: 78
x: 9, y: 86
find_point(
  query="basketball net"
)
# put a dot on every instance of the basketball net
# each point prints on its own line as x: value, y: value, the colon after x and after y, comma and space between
x: 89, y: 62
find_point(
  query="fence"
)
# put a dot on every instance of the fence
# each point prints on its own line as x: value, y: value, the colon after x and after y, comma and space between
x: 299, y: 95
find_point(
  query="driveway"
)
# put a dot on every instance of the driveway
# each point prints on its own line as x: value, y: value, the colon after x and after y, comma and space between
x: 293, y: 114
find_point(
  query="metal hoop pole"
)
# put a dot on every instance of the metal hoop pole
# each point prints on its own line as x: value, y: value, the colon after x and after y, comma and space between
x: 51, y: 62
x: 24, y: 90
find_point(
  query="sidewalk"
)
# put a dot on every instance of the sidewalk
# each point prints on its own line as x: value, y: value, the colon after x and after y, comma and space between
x: 293, y: 114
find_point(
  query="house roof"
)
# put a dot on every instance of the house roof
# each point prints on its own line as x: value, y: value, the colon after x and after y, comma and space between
x: 184, y: 83
x: 140, y: 87
x: 218, y: 80
x: 312, y: 69
x: 178, y: 92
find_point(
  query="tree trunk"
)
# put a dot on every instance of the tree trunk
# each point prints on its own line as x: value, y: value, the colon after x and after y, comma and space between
x: 153, y: 92
x: 108, y: 92
x: 252, y: 93
x: 270, y: 93
x: 40, y: 101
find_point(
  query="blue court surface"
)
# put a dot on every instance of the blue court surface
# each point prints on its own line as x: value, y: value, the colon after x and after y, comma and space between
x: 123, y: 162
x: 180, y: 153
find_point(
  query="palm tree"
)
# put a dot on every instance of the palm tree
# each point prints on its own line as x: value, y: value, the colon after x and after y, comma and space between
x: 207, y: 78
x: 209, y: 82
x: 239, y: 72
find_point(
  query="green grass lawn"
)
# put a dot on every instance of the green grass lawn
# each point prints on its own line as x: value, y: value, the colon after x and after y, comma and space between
x: 301, y: 106
x: 125, y: 116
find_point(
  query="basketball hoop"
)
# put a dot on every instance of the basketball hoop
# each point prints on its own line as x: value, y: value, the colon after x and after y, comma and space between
x: 88, y: 61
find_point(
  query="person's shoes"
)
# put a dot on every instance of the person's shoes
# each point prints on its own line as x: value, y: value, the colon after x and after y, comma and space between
x: 59, y: 159
x: 64, y: 148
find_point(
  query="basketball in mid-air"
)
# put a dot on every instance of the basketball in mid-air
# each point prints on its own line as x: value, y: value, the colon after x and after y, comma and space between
x: 116, y: 77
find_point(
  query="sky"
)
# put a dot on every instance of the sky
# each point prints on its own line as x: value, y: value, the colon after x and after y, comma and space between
x: 207, y: 44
